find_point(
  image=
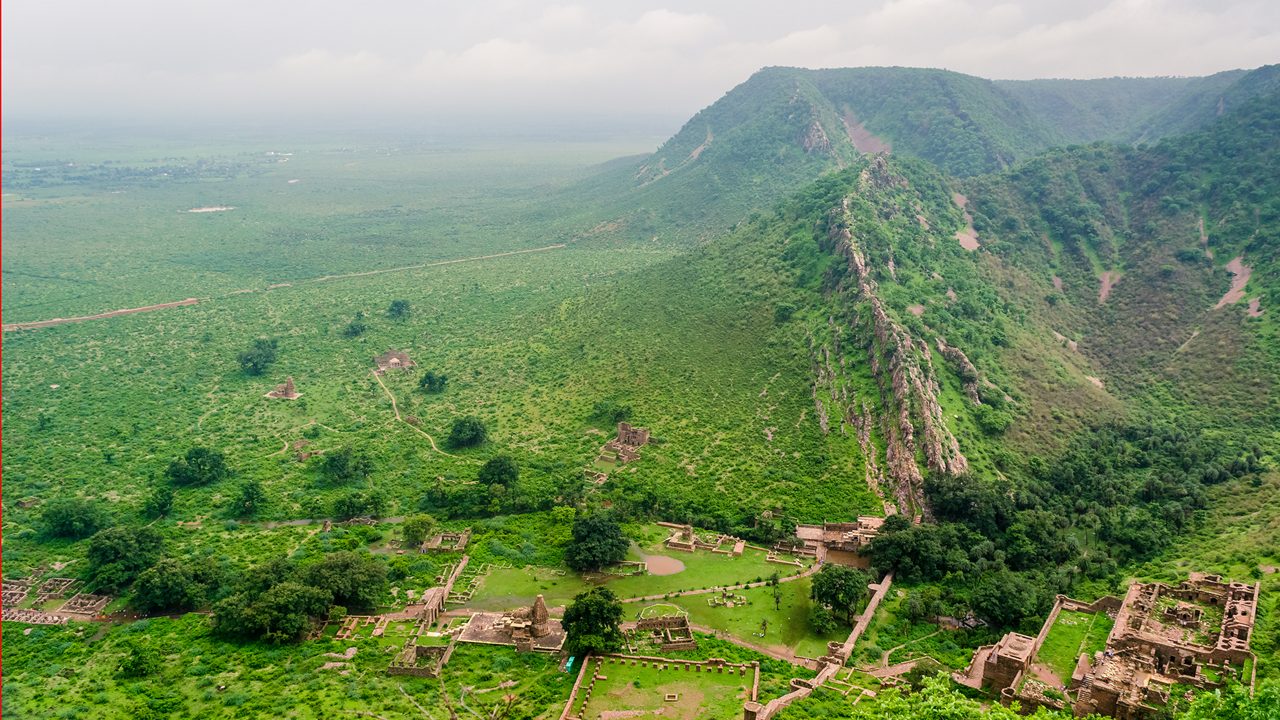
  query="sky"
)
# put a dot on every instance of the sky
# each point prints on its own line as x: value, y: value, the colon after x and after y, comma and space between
x: 531, y: 62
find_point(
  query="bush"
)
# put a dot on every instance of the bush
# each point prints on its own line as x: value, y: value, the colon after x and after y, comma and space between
x: 71, y: 518
x: 200, y: 466
x: 260, y: 355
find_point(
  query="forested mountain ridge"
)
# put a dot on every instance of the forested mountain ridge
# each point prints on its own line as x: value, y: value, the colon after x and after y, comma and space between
x: 783, y: 127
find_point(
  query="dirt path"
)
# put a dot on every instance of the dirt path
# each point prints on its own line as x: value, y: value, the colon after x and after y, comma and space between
x: 10, y: 327
x: 1109, y: 280
x: 1239, y: 278
x: 100, y: 316
x: 396, y: 409
x: 1204, y: 240
x: 744, y: 586
x: 367, y: 273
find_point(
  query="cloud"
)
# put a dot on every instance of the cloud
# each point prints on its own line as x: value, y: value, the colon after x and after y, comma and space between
x: 400, y: 58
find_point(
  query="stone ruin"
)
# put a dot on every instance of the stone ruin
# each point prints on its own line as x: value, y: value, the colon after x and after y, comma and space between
x: 392, y: 360
x: 626, y: 446
x: 667, y: 632
x: 727, y: 599
x: 527, y: 628
x: 54, y: 589
x: 446, y: 541
x: 85, y: 604
x: 1195, y: 633
x: 15, y: 591
x: 839, y: 543
x: 285, y: 391
x: 685, y: 539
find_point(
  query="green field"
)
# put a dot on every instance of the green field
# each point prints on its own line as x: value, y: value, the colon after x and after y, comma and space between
x: 700, y: 694
x: 1073, y: 634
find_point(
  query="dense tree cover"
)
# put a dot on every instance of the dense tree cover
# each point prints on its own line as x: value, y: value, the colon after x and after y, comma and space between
x: 140, y: 659
x: 840, y: 588
x: 399, y: 309
x: 260, y: 355
x: 591, y: 623
x: 71, y: 518
x: 1119, y: 496
x: 369, y: 503
x: 610, y: 412
x: 937, y: 698
x: 433, y: 382
x: 1235, y: 703
x: 467, y: 431
x: 345, y: 464
x: 170, y: 584
x: 200, y: 466
x: 499, y: 470
x: 116, y: 555
x: 415, y: 529
x: 597, y: 542
x: 279, y: 601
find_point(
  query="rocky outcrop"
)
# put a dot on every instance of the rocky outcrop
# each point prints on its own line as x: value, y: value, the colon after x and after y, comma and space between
x: 912, y: 421
x: 965, y: 369
x: 815, y: 139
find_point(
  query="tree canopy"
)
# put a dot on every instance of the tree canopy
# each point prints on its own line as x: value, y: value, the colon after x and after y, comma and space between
x: 260, y: 355
x: 468, y: 431
x: 116, y: 555
x: 597, y: 542
x: 840, y: 587
x: 345, y: 464
x: 433, y: 382
x: 499, y: 470
x: 591, y: 622
x: 398, y: 309
x: 71, y: 518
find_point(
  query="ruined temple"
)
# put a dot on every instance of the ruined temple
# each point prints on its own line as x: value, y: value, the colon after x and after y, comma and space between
x: 285, y: 391
x: 1195, y: 633
x: 528, y: 628
x: 626, y: 446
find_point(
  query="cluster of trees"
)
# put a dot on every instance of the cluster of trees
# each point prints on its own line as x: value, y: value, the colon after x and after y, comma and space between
x: 433, y: 382
x: 280, y: 600
x: 200, y: 466
x: 1119, y: 497
x: 345, y: 465
x: 116, y: 555
x: 356, y: 327
x: 360, y: 503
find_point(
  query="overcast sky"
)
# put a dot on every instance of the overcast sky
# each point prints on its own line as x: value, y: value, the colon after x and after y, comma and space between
x: 425, y: 60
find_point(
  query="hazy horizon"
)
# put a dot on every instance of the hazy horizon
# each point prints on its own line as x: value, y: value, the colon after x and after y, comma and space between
x: 636, y: 66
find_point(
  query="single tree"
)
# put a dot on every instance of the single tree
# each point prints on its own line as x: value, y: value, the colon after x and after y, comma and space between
x: 398, y: 310
x: 597, y: 542
x: 591, y: 623
x: 776, y: 586
x: 415, y: 529
x: 433, y: 382
x: 499, y: 470
x: 200, y: 466
x: 159, y: 503
x: 467, y: 431
x: 250, y: 498
x: 258, y: 357
x: 71, y: 518
x: 840, y: 588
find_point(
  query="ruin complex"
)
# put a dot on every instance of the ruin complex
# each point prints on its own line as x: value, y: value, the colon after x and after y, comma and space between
x: 626, y: 446
x: 1195, y: 633
x: 527, y: 628
x: 840, y: 543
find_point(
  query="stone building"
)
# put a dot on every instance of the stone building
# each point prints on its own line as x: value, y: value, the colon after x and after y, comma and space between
x: 626, y: 446
x: 840, y: 543
x: 393, y: 360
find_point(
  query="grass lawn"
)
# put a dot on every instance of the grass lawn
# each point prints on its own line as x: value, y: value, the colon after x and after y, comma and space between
x: 506, y: 588
x: 788, y: 625
x: 699, y: 694
x: 1073, y: 633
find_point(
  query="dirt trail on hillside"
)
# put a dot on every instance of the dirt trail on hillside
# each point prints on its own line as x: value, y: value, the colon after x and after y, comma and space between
x: 1204, y: 240
x: 1239, y: 278
x: 968, y: 237
x: 9, y: 327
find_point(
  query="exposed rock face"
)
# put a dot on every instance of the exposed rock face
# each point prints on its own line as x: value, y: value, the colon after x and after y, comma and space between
x: 912, y: 420
x: 815, y: 139
x: 965, y: 369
